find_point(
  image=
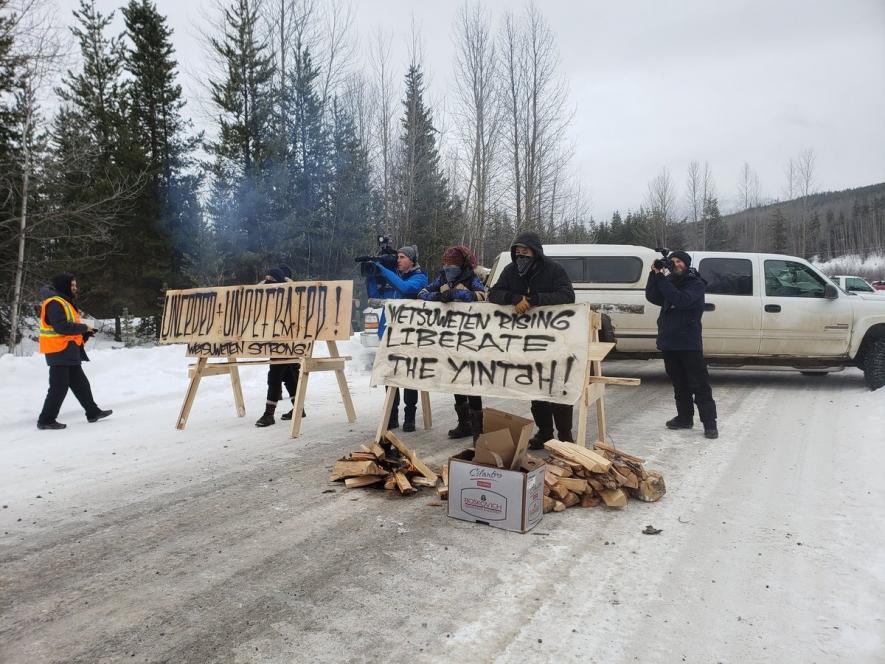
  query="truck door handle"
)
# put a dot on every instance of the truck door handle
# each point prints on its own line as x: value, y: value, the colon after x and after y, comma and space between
x: 772, y: 308
x: 709, y: 306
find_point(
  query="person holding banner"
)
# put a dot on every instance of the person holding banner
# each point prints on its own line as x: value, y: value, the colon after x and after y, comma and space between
x: 62, y: 337
x: 532, y: 280
x: 457, y: 282
x: 279, y: 374
x: 405, y: 283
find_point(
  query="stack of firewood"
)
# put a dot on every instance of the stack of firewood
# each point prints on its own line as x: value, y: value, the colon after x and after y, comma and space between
x: 374, y: 464
x: 577, y: 475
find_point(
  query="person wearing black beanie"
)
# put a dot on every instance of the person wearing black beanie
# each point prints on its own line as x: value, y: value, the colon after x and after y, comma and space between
x: 680, y: 295
x: 62, y: 337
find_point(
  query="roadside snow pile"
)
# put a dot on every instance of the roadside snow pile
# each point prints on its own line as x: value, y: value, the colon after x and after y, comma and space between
x: 871, y: 268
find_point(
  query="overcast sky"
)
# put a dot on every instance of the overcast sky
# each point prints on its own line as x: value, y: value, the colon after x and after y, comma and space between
x: 659, y: 83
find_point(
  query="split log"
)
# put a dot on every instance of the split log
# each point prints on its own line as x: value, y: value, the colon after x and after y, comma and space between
x: 571, y: 499
x: 614, y: 497
x: 346, y: 468
x: 559, y: 491
x: 402, y: 483
x: 419, y: 480
x: 548, y: 504
x: 575, y: 484
x: 558, y: 506
x: 614, y: 451
x: 592, y: 461
x: 650, y: 490
x: 390, y: 482
x: 411, y: 456
x: 365, y: 480
x: 590, y: 499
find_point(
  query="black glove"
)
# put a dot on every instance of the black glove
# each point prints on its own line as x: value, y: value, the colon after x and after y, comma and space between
x: 447, y: 295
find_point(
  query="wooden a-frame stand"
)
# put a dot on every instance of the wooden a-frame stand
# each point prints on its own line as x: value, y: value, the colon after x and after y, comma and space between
x: 309, y: 364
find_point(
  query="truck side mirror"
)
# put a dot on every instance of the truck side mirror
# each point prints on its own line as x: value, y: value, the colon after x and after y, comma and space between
x: 830, y: 292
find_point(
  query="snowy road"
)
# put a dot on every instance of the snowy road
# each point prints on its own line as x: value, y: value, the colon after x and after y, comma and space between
x: 129, y: 540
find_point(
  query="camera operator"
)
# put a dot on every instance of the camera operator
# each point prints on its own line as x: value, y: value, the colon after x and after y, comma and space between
x: 404, y: 283
x: 680, y: 294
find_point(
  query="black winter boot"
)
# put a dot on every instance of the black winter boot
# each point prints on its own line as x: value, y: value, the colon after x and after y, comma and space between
x: 463, y: 429
x: 537, y: 441
x: 679, y: 423
x: 475, y: 423
x: 99, y: 415
x: 267, y: 419
x: 710, y: 430
x: 565, y: 436
x: 409, y: 418
x: 51, y: 425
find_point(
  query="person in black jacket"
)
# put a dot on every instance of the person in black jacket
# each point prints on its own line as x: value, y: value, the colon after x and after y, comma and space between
x: 62, y: 336
x: 680, y: 294
x: 279, y: 374
x: 532, y: 280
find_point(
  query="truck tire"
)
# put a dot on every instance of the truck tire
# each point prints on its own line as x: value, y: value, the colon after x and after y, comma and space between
x: 874, y: 365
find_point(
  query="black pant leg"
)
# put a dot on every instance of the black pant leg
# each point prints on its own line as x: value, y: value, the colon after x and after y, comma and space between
x: 673, y: 364
x: 460, y: 399
x: 562, y: 417
x: 697, y: 379
x: 275, y: 382
x: 475, y: 402
x: 59, y: 380
x: 394, y: 413
x: 291, y: 373
x: 82, y: 390
x: 410, y: 397
x: 543, y: 416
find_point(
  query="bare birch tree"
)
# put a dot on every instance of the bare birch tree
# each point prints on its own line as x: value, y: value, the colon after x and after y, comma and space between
x: 383, y: 124
x: 476, y: 76
x: 806, y: 183
x: 661, y: 202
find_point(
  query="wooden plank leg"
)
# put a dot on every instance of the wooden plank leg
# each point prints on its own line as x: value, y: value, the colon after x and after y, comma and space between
x: 600, y: 419
x: 236, y: 386
x: 385, y: 414
x: 298, y: 404
x: 582, y: 419
x: 342, y: 384
x: 191, y: 393
x: 425, y: 410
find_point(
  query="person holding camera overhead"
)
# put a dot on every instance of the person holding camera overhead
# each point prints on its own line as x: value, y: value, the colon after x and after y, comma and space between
x: 404, y: 283
x: 680, y: 295
x: 457, y: 282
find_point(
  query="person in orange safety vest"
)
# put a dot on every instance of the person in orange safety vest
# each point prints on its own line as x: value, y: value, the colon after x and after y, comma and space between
x: 62, y: 336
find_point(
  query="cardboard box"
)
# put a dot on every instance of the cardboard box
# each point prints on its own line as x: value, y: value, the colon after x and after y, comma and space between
x: 499, y: 497
x: 504, y: 441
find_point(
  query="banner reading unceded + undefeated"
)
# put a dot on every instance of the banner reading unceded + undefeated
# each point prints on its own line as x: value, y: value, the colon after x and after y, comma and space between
x: 485, y: 350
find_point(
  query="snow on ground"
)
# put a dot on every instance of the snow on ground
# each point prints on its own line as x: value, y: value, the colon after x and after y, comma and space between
x: 870, y: 267
x: 127, y: 539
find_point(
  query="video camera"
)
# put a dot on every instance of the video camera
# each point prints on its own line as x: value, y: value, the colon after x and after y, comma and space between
x: 386, y: 255
x: 663, y: 263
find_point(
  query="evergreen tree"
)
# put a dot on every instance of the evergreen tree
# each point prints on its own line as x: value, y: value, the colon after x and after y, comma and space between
x: 717, y: 231
x: 426, y: 207
x: 96, y: 168
x: 239, y: 202
x: 168, y: 209
x: 778, y: 232
x: 350, y: 221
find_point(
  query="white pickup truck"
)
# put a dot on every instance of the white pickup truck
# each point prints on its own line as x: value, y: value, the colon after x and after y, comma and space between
x: 761, y: 309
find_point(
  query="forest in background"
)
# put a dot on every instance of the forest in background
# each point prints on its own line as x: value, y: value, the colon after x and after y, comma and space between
x: 319, y: 143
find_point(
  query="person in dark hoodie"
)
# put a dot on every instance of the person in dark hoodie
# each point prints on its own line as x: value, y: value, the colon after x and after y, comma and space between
x: 532, y: 280
x: 279, y: 374
x: 457, y: 282
x: 62, y: 336
x: 680, y: 294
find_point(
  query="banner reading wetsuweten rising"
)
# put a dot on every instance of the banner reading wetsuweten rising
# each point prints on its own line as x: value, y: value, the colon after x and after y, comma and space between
x: 485, y: 350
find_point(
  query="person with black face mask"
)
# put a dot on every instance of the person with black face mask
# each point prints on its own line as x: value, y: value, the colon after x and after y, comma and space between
x: 680, y: 295
x: 457, y: 282
x: 531, y: 280
x: 62, y: 337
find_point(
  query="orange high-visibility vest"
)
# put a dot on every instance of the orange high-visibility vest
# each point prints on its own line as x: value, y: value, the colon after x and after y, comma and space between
x: 50, y: 340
